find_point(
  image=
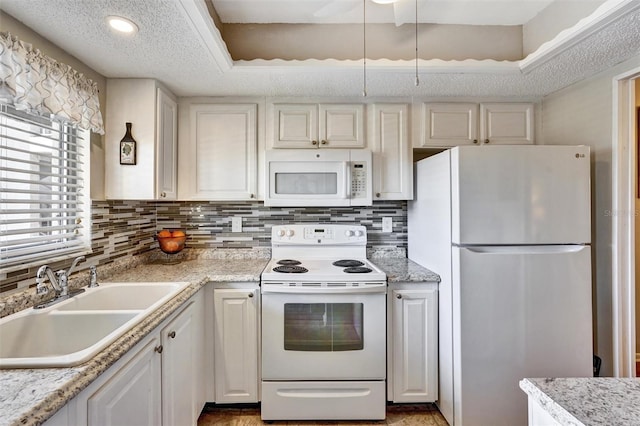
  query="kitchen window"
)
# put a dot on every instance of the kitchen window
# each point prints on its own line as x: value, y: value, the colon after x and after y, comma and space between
x: 43, y: 205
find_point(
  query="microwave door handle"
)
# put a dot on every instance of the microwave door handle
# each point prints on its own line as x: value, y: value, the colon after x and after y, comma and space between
x: 347, y: 179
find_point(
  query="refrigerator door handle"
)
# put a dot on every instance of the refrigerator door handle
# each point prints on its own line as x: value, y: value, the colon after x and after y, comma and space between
x: 534, y: 249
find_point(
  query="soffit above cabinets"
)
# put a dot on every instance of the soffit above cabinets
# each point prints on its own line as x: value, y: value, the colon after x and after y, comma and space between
x: 190, y: 45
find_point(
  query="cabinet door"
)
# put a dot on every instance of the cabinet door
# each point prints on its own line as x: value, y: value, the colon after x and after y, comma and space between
x: 132, y: 395
x: 167, y: 149
x: 133, y: 101
x: 180, y: 370
x: 236, y: 345
x: 415, y: 345
x: 341, y: 126
x: 448, y: 124
x: 392, y: 154
x: 506, y: 123
x: 294, y: 126
x: 222, y: 152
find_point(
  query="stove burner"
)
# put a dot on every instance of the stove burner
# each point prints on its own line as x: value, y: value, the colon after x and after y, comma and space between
x: 357, y: 270
x: 290, y: 269
x: 347, y: 262
x: 288, y: 262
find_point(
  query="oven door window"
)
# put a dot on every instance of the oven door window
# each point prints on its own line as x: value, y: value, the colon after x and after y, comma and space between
x: 323, y: 327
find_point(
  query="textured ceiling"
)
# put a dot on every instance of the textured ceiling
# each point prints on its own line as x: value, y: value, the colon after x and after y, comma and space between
x: 178, y: 46
x: 475, y: 12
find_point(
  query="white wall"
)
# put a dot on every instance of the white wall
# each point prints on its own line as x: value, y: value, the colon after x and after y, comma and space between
x: 582, y: 114
x: 637, y: 215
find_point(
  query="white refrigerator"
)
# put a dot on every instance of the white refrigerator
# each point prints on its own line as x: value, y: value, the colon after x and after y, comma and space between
x: 508, y: 228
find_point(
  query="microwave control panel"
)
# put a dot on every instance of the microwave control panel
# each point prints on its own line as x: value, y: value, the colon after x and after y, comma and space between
x: 358, y: 179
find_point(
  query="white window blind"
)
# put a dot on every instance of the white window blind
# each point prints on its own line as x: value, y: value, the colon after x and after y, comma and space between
x: 43, y: 208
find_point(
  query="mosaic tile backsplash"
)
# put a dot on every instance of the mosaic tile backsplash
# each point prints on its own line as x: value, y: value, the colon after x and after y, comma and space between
x: 126, y: 228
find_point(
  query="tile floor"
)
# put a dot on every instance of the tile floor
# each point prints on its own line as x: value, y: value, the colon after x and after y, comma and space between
x: 399, y: 415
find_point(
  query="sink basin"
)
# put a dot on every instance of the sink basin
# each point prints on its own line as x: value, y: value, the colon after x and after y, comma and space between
x: 75, y: 330
x: 121, y: 296
x: 54, y: 338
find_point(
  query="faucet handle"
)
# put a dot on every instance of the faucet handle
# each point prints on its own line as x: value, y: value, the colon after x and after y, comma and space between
x: 93, y: 272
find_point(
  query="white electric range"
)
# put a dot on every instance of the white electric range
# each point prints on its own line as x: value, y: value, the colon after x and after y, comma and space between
x: 323, y: 326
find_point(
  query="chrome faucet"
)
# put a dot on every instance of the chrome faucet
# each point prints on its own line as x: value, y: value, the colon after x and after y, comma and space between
x: 59, y: 282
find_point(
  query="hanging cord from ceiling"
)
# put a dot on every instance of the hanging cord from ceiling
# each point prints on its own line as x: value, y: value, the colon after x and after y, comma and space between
x: 364, y: 48
x: 417, y: 79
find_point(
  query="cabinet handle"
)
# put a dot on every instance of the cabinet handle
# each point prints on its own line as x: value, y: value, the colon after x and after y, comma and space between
x: 314, y: 142
x: 172, y: 334
x: 399, y: 296
x: 377, y: 195
x: 252, y: 196
x: 486, y: 141
x: 163, y: 194
x: 250, y: 294
x: 324, y: 142
x: 475, y: 141
x: 159, y: 349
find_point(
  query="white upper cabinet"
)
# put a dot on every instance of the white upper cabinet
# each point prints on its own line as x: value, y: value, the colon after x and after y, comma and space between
x: 316, y: 126
x: 506, y: 123
x: 392, y: 153
x: 219, y: 152
x: 152, y: 111
x: 453, y: 124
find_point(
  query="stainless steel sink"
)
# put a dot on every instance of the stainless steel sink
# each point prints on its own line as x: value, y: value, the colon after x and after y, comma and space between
x: 75, y: 330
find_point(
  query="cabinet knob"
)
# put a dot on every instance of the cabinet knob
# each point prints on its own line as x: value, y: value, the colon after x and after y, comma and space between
x: 475, y: 141
x: 250, y: 294
x: 163, y: 194
x: 486, y: 141
x: 398, y: 296
x: 252, y: 196
x: 314, y: 142
x: 377, y: 195
x: 159, y: 349
x: 172, y: 334
x: 324, y: 142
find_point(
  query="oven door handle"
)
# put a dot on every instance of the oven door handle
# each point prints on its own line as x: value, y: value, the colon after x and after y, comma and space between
x: 323, y: 290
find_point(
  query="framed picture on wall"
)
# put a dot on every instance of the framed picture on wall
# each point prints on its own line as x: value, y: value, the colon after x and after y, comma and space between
x: 128, y: 152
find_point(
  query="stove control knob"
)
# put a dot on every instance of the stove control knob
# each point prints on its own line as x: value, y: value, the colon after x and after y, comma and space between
x: 281, y: 233
x: 359, y: 233
x: 289, y: 232
x: 348, y: 233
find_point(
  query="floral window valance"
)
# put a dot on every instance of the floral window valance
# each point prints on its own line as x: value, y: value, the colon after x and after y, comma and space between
x: 32, y: 81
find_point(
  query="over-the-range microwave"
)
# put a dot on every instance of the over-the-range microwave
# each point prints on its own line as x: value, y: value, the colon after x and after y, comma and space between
x: 321, y: 177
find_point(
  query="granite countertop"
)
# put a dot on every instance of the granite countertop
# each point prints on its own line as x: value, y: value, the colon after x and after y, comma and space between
x: 587, y: 401
x: 31, y: 396
x: 404, y: 270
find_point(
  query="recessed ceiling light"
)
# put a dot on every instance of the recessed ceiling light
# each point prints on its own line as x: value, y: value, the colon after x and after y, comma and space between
x: 384, y: 1
x: 122, y: 25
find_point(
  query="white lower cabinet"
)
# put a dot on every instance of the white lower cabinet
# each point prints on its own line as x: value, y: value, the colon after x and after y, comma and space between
x: 132, y: 396
x: 412, y: 346
x: 236, y: 356
x: 182, y: 362
x: 157, y: 382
